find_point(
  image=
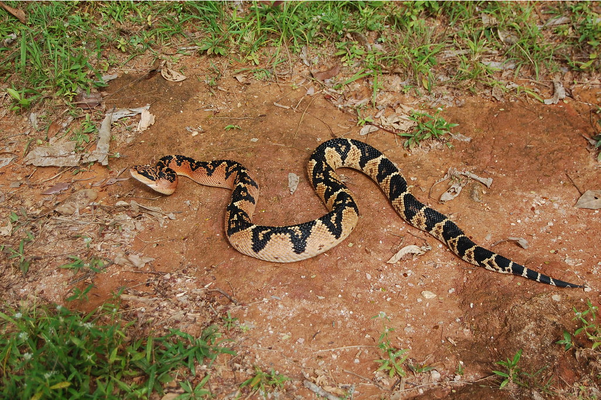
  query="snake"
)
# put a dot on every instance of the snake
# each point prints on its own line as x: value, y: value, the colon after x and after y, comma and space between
x: 293, y: 243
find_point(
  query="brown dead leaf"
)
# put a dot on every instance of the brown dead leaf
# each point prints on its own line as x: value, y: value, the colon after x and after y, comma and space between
x: 58, y: 155
x: 327, y: 74
x: 59, y: 187
x: 15, y: 12
x: 591, y: 199
x: 77, y: 201
x: 53, y: 129
x: 88, y: 100
x: 171, y: 75
x: 146, y: 120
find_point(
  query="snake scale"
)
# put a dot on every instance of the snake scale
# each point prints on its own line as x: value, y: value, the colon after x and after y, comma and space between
x: 302, y: 241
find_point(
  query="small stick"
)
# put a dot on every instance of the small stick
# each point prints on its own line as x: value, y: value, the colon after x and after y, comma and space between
x: 319, y: 391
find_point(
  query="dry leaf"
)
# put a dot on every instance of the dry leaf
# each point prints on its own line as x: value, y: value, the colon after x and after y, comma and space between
x: 367, y: 129
x: 146, y: 120
x: 411, y: 249
x: 559, y: 93
x: 15, y: 12
x: 59, y: 187
x: 327, y: 74
x: 453, y: 190
x: 59, y: 155
x: 591, y: 199
x: 88, y: 100
x: 293, y: 180
x: 5, y: 160
x: 523, y: 243
x: 6, y: 230
x: 77, y: 201
x: 171, y: 75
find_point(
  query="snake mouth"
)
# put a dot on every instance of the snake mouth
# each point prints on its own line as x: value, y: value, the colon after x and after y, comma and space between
x: 150, y: 179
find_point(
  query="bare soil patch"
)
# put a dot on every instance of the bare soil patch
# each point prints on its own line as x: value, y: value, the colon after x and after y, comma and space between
x: 314, y: 319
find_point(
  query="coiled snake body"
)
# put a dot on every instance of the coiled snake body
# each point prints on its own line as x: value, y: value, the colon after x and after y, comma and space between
x: 302, y: 241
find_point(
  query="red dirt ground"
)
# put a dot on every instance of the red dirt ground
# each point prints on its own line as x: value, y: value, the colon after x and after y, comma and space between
x: 315, y: 319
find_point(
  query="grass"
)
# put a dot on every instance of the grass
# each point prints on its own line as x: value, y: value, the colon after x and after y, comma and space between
x: 65, y: 48
x: 428, y: 127
x: 393, y: 358
x: 265, y: 382
x: 512, y: 374
x: 55, y: 353
x: 589, y: 328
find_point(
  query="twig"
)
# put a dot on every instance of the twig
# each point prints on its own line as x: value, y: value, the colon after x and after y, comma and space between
x: 319, y: 391
x: 358, y: 346
x: 230, y: 298
x: 365, y: 378
x: 302, y: 117
x: 574, y: 183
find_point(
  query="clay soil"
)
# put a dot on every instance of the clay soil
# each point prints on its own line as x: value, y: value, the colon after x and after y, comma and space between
x: 168, y: 264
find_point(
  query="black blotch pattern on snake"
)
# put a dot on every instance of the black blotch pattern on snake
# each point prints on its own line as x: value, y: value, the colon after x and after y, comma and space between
x: 298, y: 242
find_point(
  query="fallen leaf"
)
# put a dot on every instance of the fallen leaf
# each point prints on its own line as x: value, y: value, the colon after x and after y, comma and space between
x: 523, y: 243
x: 453, y: 190
x: 327, y: 74
x: 591, y: 199
x: 101, y: 153
x: 59, y: 155
x: 411, y: 249
x: 5, y: 160
x: 6, y: 230
x: 15, y: 12
x: 59, y: 187
x: 88, y: 100
x: 559, y: 93
x: 77, y: 201
x: 293, y: 180
x: 367, y: 129
x: 171, y: 75
x: 146, y: 120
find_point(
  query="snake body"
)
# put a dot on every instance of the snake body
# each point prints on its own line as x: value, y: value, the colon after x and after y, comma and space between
x: 298, y: 242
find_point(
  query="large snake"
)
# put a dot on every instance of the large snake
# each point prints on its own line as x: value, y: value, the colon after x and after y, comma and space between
x: 302, y: 241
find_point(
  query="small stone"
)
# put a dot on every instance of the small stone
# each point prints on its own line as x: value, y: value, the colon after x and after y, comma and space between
x: 428, y: 295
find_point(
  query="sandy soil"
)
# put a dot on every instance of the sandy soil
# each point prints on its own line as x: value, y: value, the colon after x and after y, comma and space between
x: 314, y: 320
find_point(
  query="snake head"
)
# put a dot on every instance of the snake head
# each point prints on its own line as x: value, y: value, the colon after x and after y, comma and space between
x: 162, y: 180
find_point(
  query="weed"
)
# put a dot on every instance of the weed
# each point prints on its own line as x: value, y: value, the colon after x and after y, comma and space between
x: 588, y: 327
x: 199, y: 391
x: 392, y: 364
x: 512, y: 371
x: 460, y: 369
x: 361, y: 121
x: 264, y: 382
x: 59, y: 354
x: 229, y: 321
x: 20, y: 102
x: 76, y: 264
x: 20, y: 260
x: 80, y: 295
x: 232, y: 127
x: 419, y: 368
x: 81, y: 135
x: 428, y: 126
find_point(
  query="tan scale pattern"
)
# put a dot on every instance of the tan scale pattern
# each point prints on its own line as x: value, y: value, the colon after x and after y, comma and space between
x: 279, y: 242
